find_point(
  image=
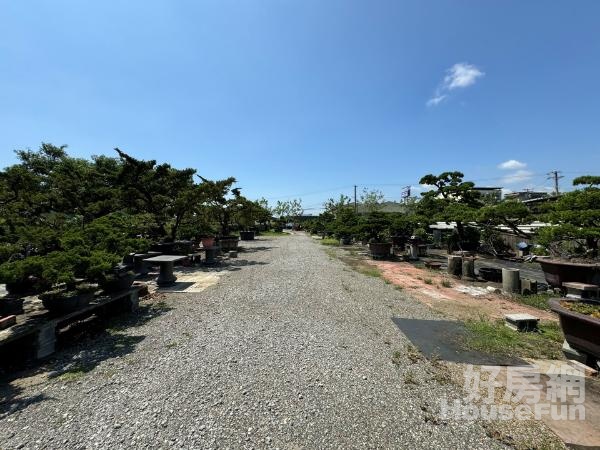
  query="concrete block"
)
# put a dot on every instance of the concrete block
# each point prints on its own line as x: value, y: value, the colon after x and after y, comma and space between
x: 529, y: 286
x: 521, y: 322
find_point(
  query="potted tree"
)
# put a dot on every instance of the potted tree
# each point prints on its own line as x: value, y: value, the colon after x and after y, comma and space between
x: 375, y: 228
x: 246, y: 215
x: 573, y: 237
x: 108, y: 273
x: 580, y: 322
x: 24, y: 276
x: 62, y: 270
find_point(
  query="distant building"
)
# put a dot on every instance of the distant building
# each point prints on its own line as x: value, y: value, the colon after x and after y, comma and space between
x: 523, y: 196
x: 493, y: 193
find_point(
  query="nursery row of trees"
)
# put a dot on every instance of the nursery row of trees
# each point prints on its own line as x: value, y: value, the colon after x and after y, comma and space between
x: 573, y: 218
x: 63, y: 217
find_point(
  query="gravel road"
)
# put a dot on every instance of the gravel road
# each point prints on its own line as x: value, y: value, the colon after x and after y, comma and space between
x: 292, y: 350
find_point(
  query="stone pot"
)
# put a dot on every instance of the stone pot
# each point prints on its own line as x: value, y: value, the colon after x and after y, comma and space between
x: 11, y: 306
x: 557, y: 272
x: 65, y: 302
x: 581, y: 331
x: 228, y: 243
x: 118, y: 284
x: 380, y: 250
x: 491, y: 274
x: 247, y: 235
x: 166, y: 248
x: 398, y: 241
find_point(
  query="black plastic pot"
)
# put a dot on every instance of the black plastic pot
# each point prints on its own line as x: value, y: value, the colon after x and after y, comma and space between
x: 380, y: 250
x: 65, y: 302
x: 491, y: 274
x: 247, y: 235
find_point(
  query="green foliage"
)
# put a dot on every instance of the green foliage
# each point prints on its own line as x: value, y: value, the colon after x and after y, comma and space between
x: 371, y: 200
x: 451, y: 200
x: 375, y: 227
x: 290, y: 210
x: 63, y: 218
x: 575, y: 217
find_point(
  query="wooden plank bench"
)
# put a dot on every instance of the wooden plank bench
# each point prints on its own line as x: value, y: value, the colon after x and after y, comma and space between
x: 40, y: 329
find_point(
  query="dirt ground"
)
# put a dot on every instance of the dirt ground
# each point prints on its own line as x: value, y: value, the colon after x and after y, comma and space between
x: 455, y: 298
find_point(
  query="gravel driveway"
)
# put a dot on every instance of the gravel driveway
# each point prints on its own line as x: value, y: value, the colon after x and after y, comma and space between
x: 293, y: 350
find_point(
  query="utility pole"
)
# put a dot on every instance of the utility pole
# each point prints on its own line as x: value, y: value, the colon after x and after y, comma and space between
x: 555, y: 175
x: 355, y: 206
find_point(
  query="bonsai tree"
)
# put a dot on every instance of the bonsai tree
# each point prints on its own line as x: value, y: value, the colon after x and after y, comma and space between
x: 508, y: 213
x: 452, y: 200
x: 219, y: 199
x: 248, y: 213
x: 345, y: 223
x: 375, y: 227
x: 166, y: 194
x: 575, y: 219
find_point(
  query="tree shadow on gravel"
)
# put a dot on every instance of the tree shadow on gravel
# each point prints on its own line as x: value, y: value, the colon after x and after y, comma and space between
x: 80, y: 349
x: 254, y: 249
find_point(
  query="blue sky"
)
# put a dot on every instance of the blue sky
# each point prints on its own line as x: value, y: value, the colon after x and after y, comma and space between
x: 298, y: 97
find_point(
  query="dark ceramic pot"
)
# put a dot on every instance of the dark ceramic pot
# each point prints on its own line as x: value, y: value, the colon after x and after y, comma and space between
x: 380, y: 250
x: 228, y: 243
x: 11, y: 306
x: 557, y: 272
x: 491, y: 274
x: 247, y: 235
x: 118, y: 284
x: 66, y: 302
x: 581, y: 331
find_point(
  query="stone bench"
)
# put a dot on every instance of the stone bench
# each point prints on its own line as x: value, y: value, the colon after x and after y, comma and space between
x: 521, y: 322
x: 577, y: 290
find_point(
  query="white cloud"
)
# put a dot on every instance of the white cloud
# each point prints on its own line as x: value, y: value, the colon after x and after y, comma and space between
x: 518, y: 176
x: 512, y: 164
x: 460, y: 75
x: 433, y: 101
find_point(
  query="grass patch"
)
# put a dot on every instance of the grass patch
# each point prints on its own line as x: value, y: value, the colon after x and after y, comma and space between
x: 496, y: 338
x: 273, y: 233
x: 74, y: 374
x: 446, y: 283
x: 428, y: 281
x: 397, y: 358
x: 330, y: 241
x: 369, y: 271
x: 539, y: 301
